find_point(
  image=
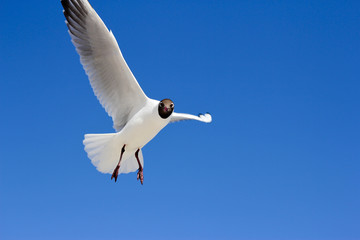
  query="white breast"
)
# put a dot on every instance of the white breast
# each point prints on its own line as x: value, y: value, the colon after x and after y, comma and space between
x: 143, y: 126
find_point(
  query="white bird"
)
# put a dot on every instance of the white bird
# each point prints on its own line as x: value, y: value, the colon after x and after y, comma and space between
x: 137, y: 119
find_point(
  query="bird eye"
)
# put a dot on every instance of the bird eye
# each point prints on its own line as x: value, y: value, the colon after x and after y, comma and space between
x: 171, y: 105
x: 161, y: 104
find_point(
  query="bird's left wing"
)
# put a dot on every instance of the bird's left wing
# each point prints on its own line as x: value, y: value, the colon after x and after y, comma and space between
x: 110, y: 77
x: 175, y: 117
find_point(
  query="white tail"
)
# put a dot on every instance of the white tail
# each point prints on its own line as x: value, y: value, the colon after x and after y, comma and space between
x: 104, y: 152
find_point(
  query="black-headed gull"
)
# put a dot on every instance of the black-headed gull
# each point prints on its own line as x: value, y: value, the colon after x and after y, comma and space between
x: 137, y: 118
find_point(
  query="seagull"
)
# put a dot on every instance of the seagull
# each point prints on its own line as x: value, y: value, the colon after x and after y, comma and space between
x: 136, y: 118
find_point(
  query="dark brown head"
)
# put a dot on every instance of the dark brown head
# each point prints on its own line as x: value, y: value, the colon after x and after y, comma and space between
x: 166, y: 107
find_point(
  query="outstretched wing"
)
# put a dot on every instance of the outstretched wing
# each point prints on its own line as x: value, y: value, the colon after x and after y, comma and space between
x: 175, y: 117
x: 110, y: 77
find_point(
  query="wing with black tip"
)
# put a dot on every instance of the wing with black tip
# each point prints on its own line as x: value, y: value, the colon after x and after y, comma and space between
x: 110, y: 77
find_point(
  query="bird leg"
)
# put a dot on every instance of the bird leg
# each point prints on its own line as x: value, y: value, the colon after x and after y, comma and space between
x: 140, y: 174
x: 116, y: 170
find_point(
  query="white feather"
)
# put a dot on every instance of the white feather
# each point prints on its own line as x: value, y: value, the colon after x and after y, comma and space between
x: 175, y: 117
x: 104, y: 151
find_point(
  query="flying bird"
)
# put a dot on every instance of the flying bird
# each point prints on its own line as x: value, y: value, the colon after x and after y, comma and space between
x: 136, y: 118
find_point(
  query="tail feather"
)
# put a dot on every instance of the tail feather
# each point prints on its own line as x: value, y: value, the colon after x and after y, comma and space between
x: 104, y: 151
x: 101, y: 150
x: 130, y: 164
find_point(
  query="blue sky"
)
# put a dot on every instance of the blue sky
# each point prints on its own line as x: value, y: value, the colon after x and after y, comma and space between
x: 279, y: 161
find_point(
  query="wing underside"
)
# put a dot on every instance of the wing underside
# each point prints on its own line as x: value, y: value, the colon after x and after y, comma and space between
x: 110, y: 77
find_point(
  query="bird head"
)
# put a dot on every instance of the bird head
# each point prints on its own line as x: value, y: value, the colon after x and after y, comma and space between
x: 165, y: 108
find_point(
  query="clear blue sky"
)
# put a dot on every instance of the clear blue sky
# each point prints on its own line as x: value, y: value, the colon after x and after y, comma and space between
x: 280, y: 160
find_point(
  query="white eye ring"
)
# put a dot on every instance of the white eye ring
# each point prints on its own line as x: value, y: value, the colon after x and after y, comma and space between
x: 161, y: 104
x: 171, y: 105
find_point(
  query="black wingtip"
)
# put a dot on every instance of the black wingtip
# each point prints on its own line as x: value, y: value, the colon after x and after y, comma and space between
x: 203, y: 114
x: 65, y: 3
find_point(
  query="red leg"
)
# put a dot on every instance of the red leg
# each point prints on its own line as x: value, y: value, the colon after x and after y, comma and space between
x: 116, y: 170
x: 140, y: 174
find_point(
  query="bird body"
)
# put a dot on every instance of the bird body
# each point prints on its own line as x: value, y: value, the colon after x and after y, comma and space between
x: 144, y: 125
x: 140, y: 129
x: 137, y: 118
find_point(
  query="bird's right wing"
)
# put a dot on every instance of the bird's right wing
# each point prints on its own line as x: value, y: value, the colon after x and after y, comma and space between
x: 175, y: 117
x: 110, y: 77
